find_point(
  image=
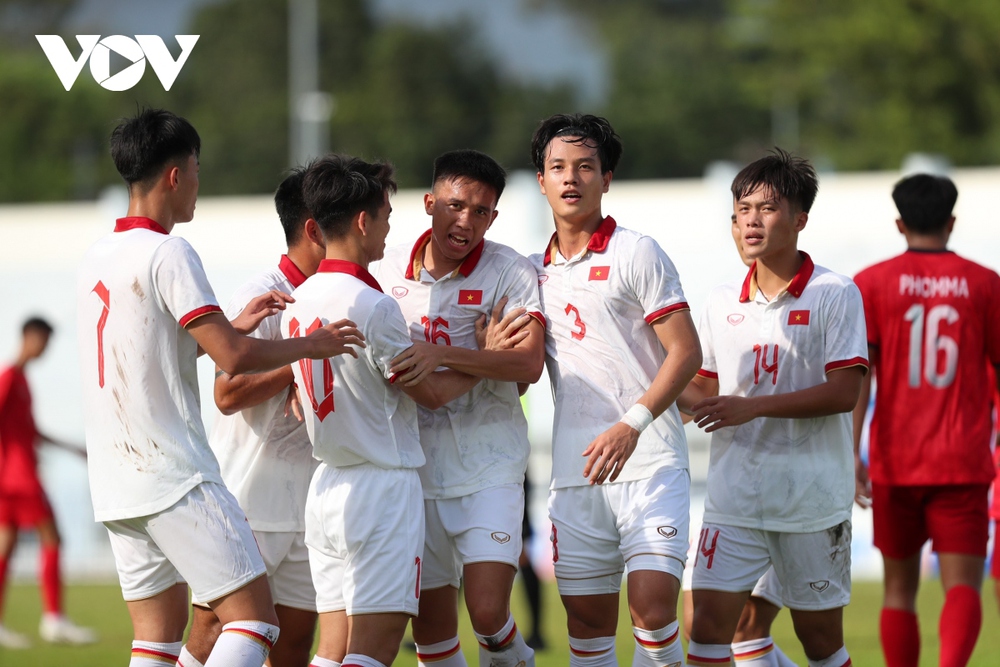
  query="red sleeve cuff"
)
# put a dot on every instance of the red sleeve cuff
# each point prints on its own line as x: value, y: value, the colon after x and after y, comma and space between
x: 198, y: 312
x: 395, y: 376
x: 847, y: 363
x: 663, y: 312
x: 538, y: 316
x: 711, y: 375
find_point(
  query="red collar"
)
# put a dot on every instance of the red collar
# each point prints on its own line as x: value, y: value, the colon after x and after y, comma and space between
x: 138, y: 222
x: 351, y: 269
x: 598, y: 240
x: 416, y: 263
x: 292, y: 272
x: 795, y: 287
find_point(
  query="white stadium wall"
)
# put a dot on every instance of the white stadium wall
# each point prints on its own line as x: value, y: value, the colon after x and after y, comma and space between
x: 851, y: 226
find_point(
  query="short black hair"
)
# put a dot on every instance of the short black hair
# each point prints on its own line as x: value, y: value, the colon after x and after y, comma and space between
x: 290, y: 204
x: 784, y: 174
x: 470, y: 164
x: 925, y: 202
x: 141, y: 146
x: 36, y: 323
x: 338, y: 187
x: 583, y: 129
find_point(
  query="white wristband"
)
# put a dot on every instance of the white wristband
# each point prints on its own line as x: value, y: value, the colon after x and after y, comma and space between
x: 638, y: 417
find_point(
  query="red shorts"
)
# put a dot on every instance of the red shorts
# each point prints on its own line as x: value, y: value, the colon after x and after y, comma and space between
x: 954, y: 517
x: 24, y: 511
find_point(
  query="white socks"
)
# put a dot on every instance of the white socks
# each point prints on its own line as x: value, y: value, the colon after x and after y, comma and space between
x: 154, y: 654
x: 709, y: 655
x: 243, y: 644
x: 358, y: 660
x: 322, y: 662
x: 756, y: 653
x: 442, y: 654
x: 597, y: 652
x: 187, y: 660
x: 838, y: 659
x: 654, y: 648
x: 505, y: 649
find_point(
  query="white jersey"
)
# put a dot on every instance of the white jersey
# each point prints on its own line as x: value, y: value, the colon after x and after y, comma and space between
x: 352, y: 414
x: 788, y: 475
x: 146, y: 447
x: 265, y: 457
x: 601, y: 352
x: 479, y: 440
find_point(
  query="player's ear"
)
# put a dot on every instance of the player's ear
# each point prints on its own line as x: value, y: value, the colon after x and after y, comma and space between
x: 173, y: 177
x: 800, y: 220
x: 950, y: 225
x: 492, y: 218
x: 312, y: 232
x: 541, y: 181
x: 361, y: 222
x: 606, y: 180
x: 429, y: 203
x: 900, y: 225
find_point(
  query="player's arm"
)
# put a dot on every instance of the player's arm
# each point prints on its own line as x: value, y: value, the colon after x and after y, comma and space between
x: 239, y: 392
x: 522, y: 361
x: 862, y: 485
x: 608, y: 453
x: 838, y: 394
x: 235, y: 353
x: 439, y: 388
x: 698, y: 389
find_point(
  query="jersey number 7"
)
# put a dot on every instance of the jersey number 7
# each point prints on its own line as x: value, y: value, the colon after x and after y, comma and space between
x: 324, y: 406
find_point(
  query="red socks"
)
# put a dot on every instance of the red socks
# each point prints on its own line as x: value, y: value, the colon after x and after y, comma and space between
x: 961, y: 619
x: 900, y: 636
x: 51, y: 583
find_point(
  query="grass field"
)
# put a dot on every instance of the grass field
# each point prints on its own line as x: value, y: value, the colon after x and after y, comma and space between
x: 101, y: 607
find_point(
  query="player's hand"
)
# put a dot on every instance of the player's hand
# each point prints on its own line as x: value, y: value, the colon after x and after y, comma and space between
x: 718, y: 412
x: 417, y: 362
x: 862, y: 485
x: 262, y: 306
x: 293, y: 404
x: 609, y: 452
x: 502, y: 332
x: 336, y: 338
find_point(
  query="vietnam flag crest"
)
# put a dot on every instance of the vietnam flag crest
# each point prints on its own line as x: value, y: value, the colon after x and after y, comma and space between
x: 798, y: 317
x: 599, y: 272
x: 470, y: 297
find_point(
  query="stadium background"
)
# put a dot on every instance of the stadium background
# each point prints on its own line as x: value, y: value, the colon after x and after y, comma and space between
x: 869, y: 92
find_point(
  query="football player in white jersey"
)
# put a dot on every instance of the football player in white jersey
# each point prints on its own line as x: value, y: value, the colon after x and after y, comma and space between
x: 364, y: 511
x: 620, y: 346
x: 146, y: 309
x: 265, y: 454
x: 476, y: 446
x: 785, y: 352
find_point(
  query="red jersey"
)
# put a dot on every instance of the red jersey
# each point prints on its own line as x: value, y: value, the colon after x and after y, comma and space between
x: 934, y: 325
x: 18, y: 436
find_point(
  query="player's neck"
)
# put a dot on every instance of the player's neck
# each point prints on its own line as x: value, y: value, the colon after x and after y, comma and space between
x: 152, y: 208
x: 573, y: 234
x: 437, y: 264
x: 346, y: 251
x: 926, y: 242
x: 775, y: 271
x: 304, y: 259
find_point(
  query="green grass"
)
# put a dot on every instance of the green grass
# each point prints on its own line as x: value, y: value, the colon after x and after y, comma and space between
x: 101, y: 607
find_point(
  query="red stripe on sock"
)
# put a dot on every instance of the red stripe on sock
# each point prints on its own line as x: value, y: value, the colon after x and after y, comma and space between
x: 256, y: 636
x: 508, y: 639
x: 151, y: 653
x: 648, y: 643
x: 434, y: 657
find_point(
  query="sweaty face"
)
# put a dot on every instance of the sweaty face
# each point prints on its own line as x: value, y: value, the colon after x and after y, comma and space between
x: 768, y: 225
x: 572, y: 181
x: 461, y: 211
x: 738, y: 239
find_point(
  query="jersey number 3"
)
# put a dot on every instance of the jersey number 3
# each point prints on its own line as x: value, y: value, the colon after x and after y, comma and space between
x: 927, y: 345
x: 577, y: 335
x: 323, y: 406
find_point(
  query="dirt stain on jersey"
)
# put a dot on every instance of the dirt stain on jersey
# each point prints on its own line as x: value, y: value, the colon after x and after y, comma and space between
x: 137, y: 290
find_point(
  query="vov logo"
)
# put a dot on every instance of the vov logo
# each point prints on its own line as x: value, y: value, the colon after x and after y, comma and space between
x: 135, y: 51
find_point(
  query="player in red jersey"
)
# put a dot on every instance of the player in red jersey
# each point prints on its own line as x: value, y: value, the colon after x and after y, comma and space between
x: 23, y: 503
x: 933, y: 323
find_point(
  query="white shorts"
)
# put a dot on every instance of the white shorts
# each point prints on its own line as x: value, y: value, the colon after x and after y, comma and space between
x: 365, y: 533
x: 597, y: 530
x: 203, y: 539
x: 287, y: 561
x: 768, y: 587
x: 482, y: 527
x: 814, y: 569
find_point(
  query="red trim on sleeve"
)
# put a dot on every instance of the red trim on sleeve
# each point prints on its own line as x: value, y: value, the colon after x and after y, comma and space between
x: 138, y: 222
x: 538, y: 316
x: 847, y: 363
x: 663, y: 312
x: 198, y: 312
x: 395, y: 376
x: 705, y: 373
